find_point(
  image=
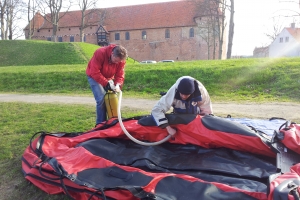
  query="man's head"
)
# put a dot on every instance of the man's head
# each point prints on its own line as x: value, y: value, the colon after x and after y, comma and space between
x: 118, y: 54
x: 186, y: 87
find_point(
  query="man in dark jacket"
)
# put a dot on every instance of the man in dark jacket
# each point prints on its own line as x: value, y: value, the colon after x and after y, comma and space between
x: 105, y: 72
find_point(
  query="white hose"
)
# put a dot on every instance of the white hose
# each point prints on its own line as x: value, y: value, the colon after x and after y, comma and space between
x: 130, y: 136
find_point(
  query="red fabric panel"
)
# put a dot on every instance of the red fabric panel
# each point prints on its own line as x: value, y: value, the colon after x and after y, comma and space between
x: 193, y: 133
x: 33, y: 160
x: 294, y: 174
x: 292, y: 137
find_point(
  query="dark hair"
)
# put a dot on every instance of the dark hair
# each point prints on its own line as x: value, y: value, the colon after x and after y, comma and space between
x: 120, y: 52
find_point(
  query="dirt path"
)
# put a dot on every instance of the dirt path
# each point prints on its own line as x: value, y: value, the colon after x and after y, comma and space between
x: 289, y: 111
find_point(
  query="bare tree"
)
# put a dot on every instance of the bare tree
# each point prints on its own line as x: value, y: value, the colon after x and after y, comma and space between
x: 88, y: 10
x: 15, y: 10
x: 221, y: 24
x: 231, y: 30
x: 276, y: 29
x: 2, y: 18
x: 11, y: 12
x: 30, y: 17
x: 54, y: 6
x: 84, y: 5
x: 211, y: 23
x: 206, y: 33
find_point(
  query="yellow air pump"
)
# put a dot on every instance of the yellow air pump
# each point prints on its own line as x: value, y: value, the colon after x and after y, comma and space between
x: 111, y: 103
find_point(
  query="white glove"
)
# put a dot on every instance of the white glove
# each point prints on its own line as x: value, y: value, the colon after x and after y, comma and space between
x: 118, y: 88
x: 112, y: 85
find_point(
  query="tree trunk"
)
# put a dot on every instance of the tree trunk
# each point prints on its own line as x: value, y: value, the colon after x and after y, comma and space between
x: 2, y: 13
x: 82, y: 26
x: 54, y: 38
x: 231, y: 30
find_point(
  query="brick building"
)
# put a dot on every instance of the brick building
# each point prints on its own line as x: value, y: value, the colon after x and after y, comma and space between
x: 157, y: 31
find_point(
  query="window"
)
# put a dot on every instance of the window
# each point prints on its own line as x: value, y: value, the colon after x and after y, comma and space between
x: 286, y: 39
x: 48, y: 38
x: 60, y: 39
x: 84, y: 38
x: 117, y: 36
x: 71, y: 38
x: 101, y: 36
x: 280, y: 40
x: 144, y: 35
x: 127, y: 36
x: 167, y: 33
x: 191, y: 32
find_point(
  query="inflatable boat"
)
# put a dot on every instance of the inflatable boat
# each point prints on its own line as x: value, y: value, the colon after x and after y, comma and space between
x: 210, y: 157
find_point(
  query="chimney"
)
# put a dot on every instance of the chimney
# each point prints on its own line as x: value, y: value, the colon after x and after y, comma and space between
x: 293, y: 25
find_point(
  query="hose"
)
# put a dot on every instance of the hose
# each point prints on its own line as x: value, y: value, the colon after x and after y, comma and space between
x: 130, y: 136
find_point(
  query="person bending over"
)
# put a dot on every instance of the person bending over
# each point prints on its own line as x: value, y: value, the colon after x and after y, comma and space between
x: 186, y: 96
x: 105, y: 71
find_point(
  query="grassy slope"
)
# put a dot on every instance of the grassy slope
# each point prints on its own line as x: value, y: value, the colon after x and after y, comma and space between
x: 28, y: 53
x: 229, y: 80
x: 47, y: 67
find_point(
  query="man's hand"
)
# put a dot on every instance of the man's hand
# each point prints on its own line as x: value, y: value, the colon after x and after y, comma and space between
x: 118, y: 88
x: 171, y: 130
x: 110, y: 86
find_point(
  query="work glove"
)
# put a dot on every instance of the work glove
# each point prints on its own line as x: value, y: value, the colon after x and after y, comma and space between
x: 118, y: 88
x: 110, y: 86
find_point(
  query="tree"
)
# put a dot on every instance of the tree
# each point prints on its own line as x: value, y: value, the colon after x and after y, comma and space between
x: 206, y: 24
x: 231, y: 30
x: 30, y: 18
x: 2, y: 19
x: 11, y: 12
x: 88, y: 8
x: 276, y: 29
x: 15, y: 11
x: 55, y: 6
x: 212, y: 25
x: 221, y: 21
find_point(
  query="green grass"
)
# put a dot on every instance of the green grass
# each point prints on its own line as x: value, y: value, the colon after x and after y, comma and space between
x: 225, y: 80
x: 36, y: 52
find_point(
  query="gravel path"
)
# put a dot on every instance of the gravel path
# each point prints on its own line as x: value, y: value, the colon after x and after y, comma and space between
x: 289, y: 111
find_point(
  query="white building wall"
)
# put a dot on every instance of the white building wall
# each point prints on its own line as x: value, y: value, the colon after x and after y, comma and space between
x: 283, y: 47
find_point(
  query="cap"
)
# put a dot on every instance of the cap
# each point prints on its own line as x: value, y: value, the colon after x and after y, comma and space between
x: 186, y: 86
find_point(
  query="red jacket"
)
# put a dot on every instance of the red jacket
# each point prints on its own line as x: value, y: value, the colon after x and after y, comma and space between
x: 102, y: 70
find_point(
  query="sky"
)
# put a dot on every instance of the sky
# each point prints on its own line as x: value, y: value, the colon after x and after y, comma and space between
x: 253, y: 20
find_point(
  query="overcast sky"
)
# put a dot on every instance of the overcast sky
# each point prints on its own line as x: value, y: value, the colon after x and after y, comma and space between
x: 253, y: 19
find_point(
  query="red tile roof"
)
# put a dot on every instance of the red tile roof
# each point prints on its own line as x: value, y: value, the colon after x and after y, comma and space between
x: 37, y: 21
x: 295, y: 32
x: 155, y: 15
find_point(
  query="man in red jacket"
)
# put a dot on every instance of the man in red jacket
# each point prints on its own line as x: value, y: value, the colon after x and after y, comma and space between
x: 105, y: 72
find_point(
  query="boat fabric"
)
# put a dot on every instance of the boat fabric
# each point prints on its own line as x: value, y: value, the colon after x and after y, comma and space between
x: 266, y: 126
x: 291, y: 137
x: 209, y: 158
